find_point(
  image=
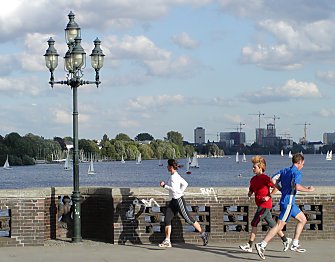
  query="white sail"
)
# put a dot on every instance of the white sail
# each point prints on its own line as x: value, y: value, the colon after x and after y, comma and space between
x: 6, y: 165
x: 194, y: 162
x: 67, y: 165
x: 139, y: 159
x: 290, y: 154
x: 282, y: 152
x: 237, y: 159
x: 329, y: 155
x: 244, y: 159
x: 188, y: 167
x: 91, y: 168
x: 122, y: 160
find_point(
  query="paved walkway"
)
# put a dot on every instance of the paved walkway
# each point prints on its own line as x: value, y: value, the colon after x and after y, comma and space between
x: 61, y: 251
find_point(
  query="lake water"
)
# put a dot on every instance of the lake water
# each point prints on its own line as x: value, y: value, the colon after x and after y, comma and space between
x: 213, y: 172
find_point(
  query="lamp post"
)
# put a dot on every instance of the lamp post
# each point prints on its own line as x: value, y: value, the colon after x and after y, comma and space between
x: 74, y: 62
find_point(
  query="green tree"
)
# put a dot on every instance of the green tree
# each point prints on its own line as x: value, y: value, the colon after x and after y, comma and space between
x: 120, y: 149
x: 189, y: 150
x: 175, y: 137
x: 144, y: 137
x: 122, y: 137
x: 146, y: 151
x: 131, y: 151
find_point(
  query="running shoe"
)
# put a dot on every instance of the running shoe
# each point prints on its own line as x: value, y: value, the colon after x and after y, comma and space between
x: 298, y: 249
x: 287, y: 244
x: 165, y: 243
x: 204, y: 238
x: 260, y: 250
x: 246, y: 247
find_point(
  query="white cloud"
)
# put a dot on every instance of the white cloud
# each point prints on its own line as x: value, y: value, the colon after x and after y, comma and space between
x: 327, y: 112
x: 270, y: 57
x: 61, y: 116
x: 292, y: 89
x: 327, y: 77
x: 150, y: 103
x: 185, y: 41
x: 20, y: 86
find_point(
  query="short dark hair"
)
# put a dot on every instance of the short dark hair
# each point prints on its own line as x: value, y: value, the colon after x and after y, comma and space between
x: 173, y: 163
x: 297, y: 158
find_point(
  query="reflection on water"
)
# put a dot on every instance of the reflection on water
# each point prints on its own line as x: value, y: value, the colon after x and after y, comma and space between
x: 213, y: 172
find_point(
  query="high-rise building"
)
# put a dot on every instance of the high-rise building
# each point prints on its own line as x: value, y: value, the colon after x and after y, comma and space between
x: 270, y: 130
x: 328, y: 138
x: 232, y: 138
x: 199, y: 135
x: 260, y: 133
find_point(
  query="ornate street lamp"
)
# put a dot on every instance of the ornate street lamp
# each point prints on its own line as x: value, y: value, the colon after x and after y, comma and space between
x: 74, y: 62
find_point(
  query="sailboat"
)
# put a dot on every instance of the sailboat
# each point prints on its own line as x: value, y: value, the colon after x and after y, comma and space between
x: 6, y: 165
x: 90, y: 170
x: 244, y: 159
x: 122, y: 160
x: 67, y: 165
x: 160, y: 162
x: 290, y: 154
x: 188, y: 171
x: 194, y: 162
x: 329, y: 155
x: 139, y: 159
x: 282, y: 152
x: 237, y: 159
x: 174, y: 154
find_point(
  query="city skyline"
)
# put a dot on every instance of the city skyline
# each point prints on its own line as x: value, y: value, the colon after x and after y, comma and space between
x: 173, y: 66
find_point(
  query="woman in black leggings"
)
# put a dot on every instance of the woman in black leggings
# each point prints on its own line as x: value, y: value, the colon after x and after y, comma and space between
x: 176, y: 186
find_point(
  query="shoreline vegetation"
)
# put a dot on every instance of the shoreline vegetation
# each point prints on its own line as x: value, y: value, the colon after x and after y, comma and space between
x: 32, y: 149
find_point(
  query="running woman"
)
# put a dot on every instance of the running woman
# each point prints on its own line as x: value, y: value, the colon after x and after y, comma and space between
x: 288, y: 180
x: 176, y: 186
x: 260, y: 185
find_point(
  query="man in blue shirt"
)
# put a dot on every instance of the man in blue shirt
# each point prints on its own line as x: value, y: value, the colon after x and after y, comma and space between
x: 288, y: 181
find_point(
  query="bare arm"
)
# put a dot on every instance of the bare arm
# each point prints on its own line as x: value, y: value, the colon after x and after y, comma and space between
x: 301, y: 188
x: 250, y: 193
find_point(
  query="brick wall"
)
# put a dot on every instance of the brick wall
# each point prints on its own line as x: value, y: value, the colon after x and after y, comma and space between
x: 135, y: 215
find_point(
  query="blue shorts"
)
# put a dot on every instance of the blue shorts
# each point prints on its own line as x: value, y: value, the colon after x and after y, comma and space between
x: 287, y: 211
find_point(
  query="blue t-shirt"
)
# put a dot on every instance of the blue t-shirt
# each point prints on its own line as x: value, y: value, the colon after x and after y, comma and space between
x: 288, y: 178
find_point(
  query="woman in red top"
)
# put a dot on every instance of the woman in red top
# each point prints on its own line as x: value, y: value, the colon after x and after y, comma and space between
x: 260, y: 185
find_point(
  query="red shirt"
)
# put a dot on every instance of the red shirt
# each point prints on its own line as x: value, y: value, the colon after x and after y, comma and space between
x: 260, y: 186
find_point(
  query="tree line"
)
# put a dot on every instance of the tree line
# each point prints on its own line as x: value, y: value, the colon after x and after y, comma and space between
x: 24, y: 150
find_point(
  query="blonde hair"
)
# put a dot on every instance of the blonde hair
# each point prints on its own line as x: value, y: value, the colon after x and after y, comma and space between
x: 259, y: 161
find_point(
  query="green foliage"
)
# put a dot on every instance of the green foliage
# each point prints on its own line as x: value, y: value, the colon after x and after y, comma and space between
x: 122, y: 137
x: 175, y: 137
x: 144, y: 137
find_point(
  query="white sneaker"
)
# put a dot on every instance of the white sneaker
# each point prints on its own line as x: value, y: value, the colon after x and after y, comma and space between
x: 287, y: 244
x: 298, y: 249
x: 165, y: 243
x: 260, y: 250
x: 246, y: 248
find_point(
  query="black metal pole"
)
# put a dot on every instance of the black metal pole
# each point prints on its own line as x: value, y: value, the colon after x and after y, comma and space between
x: 76, y: 193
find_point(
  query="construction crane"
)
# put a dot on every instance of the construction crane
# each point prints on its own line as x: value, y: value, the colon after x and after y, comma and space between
x: 238, y: 128
x: 274, y: 120
x: 259, y: 118
x: 305, y: 129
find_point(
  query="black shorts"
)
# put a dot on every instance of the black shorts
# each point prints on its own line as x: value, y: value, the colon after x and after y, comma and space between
x: 174, y: 207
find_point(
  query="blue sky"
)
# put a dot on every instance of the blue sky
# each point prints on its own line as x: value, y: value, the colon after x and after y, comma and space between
x: 172, y: 65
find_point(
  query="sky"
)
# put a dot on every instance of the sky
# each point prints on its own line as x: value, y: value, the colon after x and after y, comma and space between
x: 172, y: 65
